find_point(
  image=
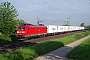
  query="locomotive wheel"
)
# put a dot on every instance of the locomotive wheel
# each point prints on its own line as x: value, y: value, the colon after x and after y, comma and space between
x: 52, y: 34
x: 26, y: 38
x: 44, y: 35
x: 32, y: 37
x: 41, y: 36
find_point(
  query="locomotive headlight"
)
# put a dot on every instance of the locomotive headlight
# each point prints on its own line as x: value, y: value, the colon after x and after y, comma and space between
x: 23, y: 32
x: 17, y: 31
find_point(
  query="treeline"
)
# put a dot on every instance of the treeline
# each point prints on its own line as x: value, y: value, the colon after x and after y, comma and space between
x: 87, y: 27
x: 8, y: 18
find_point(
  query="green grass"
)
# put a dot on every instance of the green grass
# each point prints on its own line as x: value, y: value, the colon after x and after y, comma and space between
x: 32, y: 52
x: 81, y: 52
x: 74, y: 37
x: 42, y: 48
x: 21, y: 54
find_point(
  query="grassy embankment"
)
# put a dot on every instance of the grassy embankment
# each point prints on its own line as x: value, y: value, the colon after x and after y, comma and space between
x: 81, y: 52
x: 42, y: 48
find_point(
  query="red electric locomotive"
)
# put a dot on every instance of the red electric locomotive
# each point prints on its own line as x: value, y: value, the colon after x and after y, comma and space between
x: 29, y: 30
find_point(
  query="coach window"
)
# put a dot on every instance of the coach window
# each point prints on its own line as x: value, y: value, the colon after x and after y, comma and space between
x: 61, y: 28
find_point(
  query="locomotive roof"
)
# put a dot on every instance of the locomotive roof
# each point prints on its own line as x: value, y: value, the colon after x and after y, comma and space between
x: 24, y: 25
x: 28, y: 24
x: 33, y: 25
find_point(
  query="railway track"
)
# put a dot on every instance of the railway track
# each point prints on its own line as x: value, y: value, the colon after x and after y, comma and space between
x: 12, y: 46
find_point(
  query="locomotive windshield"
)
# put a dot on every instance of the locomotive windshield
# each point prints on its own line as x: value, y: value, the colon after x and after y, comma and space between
x: 21, y: 28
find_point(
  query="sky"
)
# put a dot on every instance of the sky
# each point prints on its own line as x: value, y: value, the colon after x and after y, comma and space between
x: 53, y: 12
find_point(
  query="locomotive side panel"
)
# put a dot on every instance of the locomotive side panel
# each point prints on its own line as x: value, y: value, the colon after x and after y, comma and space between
x: 38, y: 30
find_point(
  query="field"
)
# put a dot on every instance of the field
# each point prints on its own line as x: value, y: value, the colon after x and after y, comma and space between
x: 81, y: 52
x: 28, y: 53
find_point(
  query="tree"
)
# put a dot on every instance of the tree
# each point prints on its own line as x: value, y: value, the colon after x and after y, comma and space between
x: 8, y: 15
x: 82, y: 24
x: 21, y: 21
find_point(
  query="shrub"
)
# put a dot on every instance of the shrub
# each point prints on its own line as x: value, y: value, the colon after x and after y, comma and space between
x: 5, y: 38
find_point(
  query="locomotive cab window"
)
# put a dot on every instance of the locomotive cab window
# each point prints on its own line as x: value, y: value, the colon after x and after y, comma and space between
x: 21, y: 28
